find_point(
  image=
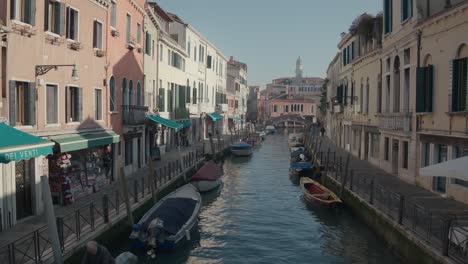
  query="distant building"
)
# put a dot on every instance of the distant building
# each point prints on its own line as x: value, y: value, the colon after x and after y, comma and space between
x: 237, y: 92
x: 252, y: 103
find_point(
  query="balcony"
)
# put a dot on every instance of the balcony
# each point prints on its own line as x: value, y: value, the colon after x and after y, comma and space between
x: 133, y: 115
x: 180, y: 113
x: 396, y: 121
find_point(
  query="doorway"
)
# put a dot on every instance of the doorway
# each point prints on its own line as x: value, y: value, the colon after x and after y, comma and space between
x: 23, y: 178
x: 366, y: 146
x: 440, y: 183
x: 395, y: 154
x: 139, y: 151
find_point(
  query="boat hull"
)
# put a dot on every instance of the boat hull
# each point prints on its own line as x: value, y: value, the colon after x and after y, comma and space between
x: 241, y: 152
x: 206, y: 186
x: 325, y: 198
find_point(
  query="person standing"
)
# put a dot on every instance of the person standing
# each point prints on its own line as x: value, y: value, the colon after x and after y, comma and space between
x: 97, y: 254
x: 322, y: 131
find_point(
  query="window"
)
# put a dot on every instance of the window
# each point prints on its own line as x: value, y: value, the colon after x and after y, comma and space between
x: 139, y: 33
x: 128, y: 151
x: 24, y: 11
x: 169, y: 57
x: 406, y: 9
x: 458, y: 153
x: 128, y: 28
x: 54, y: 17
x: 388, y: 13
x: 170, y: 98
x: 361, y: 97
x: 286, y: 108
x: 208, y: 62
x: 426, y: 154
x: 113, y: 22
x: 72, y: 23
x: 51, y: 104
x: 161, y: 98
x: 124, y: 92
x: 152, y: 50
x: 195, y: 53
x: 22, y: 103
x: 189, y: 48
x: 375, y: 145
x: 130, y: 93
x: 367, y: 96
x: 97, y: 35
x: 236, y: 104
x: 302, y: 108
x: 98, y: 104
x: 275, y: 107
x: 73, y: 104
x: 161, y: 52
x: 459, y: 84
x: 387, y: 148
x: 139, y: 94
x: 405, y: 154
x: 148, y: 43
x: 194, y: 93
x: 112, y: 94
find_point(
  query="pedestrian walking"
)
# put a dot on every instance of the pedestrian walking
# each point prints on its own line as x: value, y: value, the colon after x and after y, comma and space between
x: 322, y: 131
x: 97, y: 254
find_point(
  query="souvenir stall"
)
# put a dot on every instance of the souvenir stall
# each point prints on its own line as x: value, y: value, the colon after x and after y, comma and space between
x: 75, y: 174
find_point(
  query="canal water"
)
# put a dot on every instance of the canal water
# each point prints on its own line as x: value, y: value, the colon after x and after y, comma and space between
x: 259, y: 216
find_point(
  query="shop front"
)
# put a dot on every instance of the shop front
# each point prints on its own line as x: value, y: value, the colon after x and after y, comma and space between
x: 166, y: 130
x: 80, y: 165
x: 212, y: 124
x: 21, y: 160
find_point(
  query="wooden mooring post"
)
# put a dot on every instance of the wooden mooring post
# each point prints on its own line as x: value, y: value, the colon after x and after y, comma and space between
x: 124, y: 188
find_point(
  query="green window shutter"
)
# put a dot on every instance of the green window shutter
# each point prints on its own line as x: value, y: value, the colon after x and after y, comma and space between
x: 429, y: 88
x: 464, y: 83
x: 410, y: 8
x: 13, y: 16
x: 67, y: 104
x: 32, y: 11
x: 80, y: 104
x: 455, y: 86
x: 12, y: 103
x: 187, y: 94
x: 32, y: 104
x: 420, y: 89
x: 390, y: 18
x: 62, y: 20
x: 46, y: 15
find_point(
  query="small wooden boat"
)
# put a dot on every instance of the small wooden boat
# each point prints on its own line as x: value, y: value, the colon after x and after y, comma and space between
x: 316, y: 193
x: 168, y: 221
x: 208, y: 177
x: 241, y: 149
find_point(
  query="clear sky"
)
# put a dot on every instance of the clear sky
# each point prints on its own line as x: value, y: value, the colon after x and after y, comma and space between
x: 269, y: 35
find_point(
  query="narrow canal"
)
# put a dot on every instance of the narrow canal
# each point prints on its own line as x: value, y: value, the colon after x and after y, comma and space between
x: 258, y: 216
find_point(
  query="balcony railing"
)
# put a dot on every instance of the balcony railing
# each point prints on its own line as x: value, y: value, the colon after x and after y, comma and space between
x: 396, y: 121
x: 180, y: 113
x: 133, y: 114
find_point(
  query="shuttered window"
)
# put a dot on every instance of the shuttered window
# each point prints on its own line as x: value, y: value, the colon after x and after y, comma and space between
x: 72, y: 23
x: 22, y: 103
x: 161, y: 99
x: 339, y: 94
x: 148, y: 43
x: 113, y: 21
x: 98, y: 104
x: 138, y: 33
x: 128, y: 28
x: 97, y: 35
x: 388, y: 6
x: 139, y: 94
x: 194, y: 94
x: 459, y: 84
x: 187, y: 93
x: 112, y: 103
x: 73, y: 104
x: 51, y: 104
x: 24, y: 11
x: 406, y: 9
x: 424, y: 88
x: 54, y: 17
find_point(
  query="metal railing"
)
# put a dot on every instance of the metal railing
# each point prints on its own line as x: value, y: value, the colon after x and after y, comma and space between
x: 396, y: 121
x: 82, y: 223
x: 446, y: 232
x: 134, y: 114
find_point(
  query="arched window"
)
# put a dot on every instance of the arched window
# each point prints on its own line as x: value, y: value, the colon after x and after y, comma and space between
x: 112, y: 94
x: 187, y: 92
x: 124, y: 92
x: 130, y: 93
x: 139, y: 97
x: 302, y: 108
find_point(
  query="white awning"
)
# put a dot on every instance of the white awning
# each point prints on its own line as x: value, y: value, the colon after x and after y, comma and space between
x: 456, y: 168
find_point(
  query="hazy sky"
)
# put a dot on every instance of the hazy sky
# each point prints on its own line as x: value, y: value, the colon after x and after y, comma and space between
x: 269, y: 35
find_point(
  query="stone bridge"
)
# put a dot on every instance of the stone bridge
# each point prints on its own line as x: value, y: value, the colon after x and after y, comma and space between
x: 290, y: 120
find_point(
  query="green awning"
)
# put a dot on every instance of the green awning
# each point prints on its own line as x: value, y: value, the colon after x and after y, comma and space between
x: 215, y: 117
x: 166, y: 122
x: 185, y: 123
x: 84, y: 141
x: 17, y: 145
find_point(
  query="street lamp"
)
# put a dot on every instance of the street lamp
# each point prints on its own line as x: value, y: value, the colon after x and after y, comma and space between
x: 43, y: 69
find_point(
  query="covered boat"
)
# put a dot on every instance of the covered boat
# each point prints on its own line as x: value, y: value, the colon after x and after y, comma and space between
x: 208, y: 177
x: 241, y: 149
x: 168, y: 221
x: 270, y: 129
x: 296, y: 137
x: 316, y: 193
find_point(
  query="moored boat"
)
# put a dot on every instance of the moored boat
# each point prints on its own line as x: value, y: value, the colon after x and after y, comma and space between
x: 241, y: 149
x: 316, y: 193
x: 169, y: 221
x: 270, y: 129
x: 208, y: 177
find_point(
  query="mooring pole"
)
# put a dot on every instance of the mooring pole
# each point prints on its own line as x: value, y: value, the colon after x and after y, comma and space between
x: 124, y: 187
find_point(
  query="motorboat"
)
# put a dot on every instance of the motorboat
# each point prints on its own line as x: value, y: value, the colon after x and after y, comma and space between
x: 317, y: 194
x: 241, y: 149
x: 169, y: 221
x: 270, y: 129
x: 208, y: 177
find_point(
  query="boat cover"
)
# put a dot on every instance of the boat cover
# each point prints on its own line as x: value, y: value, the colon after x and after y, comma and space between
x: 297, y: 153
x: 301, y: 165
x: 174, y: 213
x: 241, y: 145
x: 209, y: 172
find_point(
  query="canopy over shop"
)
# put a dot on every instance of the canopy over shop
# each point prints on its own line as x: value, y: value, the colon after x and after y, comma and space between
x: 81, y: 164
